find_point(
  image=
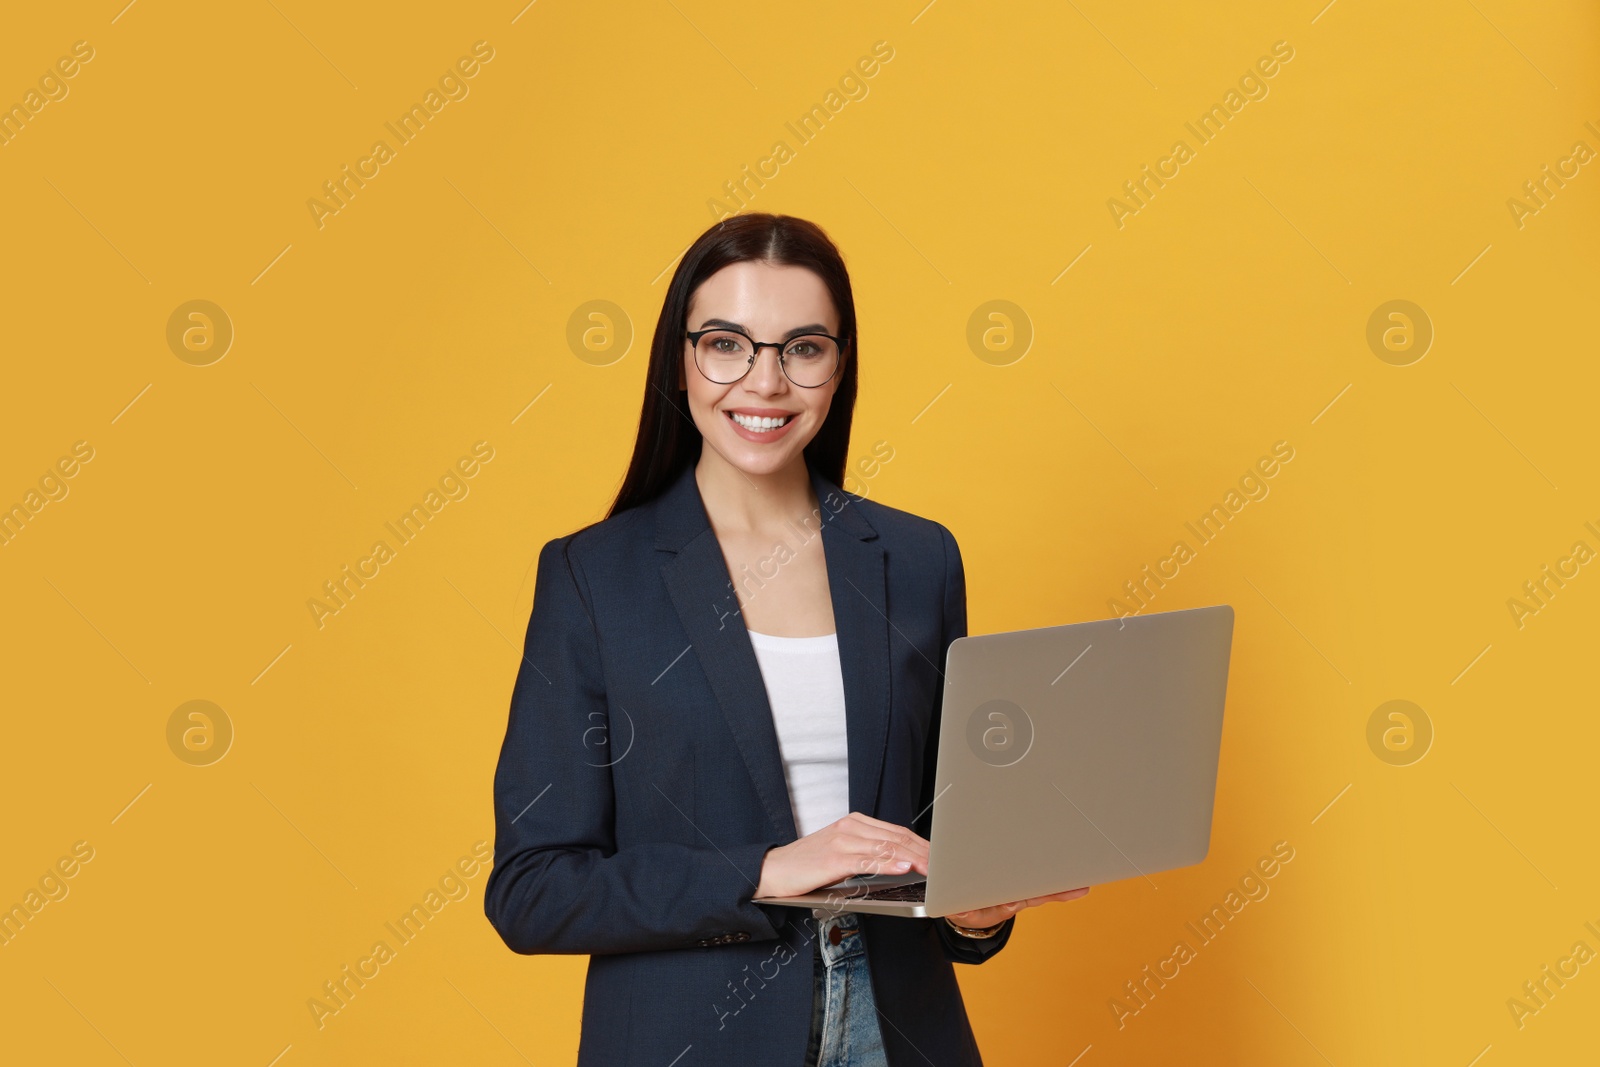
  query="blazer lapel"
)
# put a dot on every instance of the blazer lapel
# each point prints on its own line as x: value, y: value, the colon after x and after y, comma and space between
x: 697, y: 580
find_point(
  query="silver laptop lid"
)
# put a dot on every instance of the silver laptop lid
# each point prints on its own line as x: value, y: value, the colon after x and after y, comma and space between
x: 1081, y: 754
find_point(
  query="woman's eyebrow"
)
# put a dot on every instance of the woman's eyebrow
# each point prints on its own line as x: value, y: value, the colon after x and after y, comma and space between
x: 814, y: 327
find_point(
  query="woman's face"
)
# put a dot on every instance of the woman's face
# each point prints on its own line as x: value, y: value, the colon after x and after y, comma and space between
x: 767, y: 303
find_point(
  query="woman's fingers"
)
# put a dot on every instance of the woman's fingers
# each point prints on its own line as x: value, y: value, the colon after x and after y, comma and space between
x: 864, y: 846
x: 1034, y: 902
x: 1000, y: 913
x: 888, y: 829
x: 863, y: 817
x: 883, y: 845
x: 1073, y: 894
x: 854, y: 845
x: 876, y: 855
x: 1070, y: 894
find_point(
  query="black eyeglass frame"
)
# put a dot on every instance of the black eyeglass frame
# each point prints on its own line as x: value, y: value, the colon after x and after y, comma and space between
x: 755, y: 350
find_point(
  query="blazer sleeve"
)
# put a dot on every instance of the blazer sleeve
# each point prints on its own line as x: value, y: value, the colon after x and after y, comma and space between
x: 559, y: 883
x: 957, y: 949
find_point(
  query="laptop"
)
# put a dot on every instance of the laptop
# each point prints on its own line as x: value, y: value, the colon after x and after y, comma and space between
x: 1069, y: 756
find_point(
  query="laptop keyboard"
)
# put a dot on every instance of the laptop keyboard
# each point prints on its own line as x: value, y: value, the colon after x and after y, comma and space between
x: 915, y: 892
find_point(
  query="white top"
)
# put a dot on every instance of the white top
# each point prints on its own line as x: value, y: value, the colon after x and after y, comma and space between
x: 805, y: 688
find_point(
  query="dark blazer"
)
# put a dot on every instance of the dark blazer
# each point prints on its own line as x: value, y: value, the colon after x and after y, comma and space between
x: 640, y: 785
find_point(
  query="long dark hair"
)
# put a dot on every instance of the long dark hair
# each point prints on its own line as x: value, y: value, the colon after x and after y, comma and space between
x: 668, y: 439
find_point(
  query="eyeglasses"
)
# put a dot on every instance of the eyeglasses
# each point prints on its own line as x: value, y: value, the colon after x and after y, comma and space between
x: 724, y: 356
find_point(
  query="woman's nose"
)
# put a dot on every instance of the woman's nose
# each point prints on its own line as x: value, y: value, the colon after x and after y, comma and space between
x: 767, y: 375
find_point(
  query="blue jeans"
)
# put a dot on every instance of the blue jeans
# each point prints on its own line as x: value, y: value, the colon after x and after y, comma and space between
x: 844, y: 1020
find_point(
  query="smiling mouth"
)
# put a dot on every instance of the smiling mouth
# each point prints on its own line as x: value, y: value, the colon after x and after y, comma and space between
x: 760, y: 423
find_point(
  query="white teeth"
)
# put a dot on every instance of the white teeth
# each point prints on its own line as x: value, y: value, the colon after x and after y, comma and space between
x: 759, y: 424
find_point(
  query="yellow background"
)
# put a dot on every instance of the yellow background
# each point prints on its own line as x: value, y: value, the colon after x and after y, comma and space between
x: 369, y: 354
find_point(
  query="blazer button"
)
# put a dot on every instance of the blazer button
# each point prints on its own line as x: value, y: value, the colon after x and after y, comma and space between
x: 741, y: 936
x: 703, y: 942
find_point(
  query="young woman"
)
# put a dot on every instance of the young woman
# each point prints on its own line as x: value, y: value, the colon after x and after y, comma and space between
x: 680, y: 741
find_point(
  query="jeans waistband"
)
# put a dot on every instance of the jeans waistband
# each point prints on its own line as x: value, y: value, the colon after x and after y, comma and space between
x: 839, y: 938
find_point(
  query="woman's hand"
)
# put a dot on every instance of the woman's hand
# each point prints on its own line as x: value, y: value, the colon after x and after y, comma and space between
x: 983, y: 917
x: 855, y: 844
